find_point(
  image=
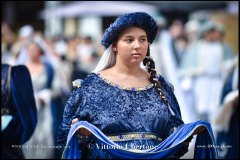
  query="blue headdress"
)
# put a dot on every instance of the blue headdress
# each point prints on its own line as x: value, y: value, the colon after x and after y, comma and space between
x: 138, y: 19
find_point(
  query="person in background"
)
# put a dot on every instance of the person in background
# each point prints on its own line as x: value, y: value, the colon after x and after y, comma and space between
x: 18, y: 111
x: 87, y: 56
x: 204, y: 65
x: 42, y: 75
x: 226, y: 124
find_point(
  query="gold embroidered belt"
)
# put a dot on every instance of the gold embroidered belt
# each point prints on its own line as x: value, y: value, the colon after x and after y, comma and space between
x: 134, y: 136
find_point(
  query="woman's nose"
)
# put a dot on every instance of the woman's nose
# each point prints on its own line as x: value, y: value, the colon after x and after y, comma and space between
x: 136, y: 44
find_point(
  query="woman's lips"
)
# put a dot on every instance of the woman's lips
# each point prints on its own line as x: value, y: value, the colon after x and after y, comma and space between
x: 136, y: 55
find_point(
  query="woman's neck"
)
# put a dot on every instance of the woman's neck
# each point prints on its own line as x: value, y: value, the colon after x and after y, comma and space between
x: 128, y: 76
x: 127, y: 70
x: 34, y: 62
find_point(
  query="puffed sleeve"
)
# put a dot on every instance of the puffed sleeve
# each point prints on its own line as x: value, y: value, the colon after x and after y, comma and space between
x: 72, y: 105
x: 24, y: 120
x: 173, y: 124
x: 175, y: 120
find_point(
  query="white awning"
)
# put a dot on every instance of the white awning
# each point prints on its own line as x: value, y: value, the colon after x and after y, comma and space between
x: 101, y: 8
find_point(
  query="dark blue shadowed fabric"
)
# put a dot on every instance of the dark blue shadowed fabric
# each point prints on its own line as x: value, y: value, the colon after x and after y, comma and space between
x: 205, y: 144
x: 137, y: 19
x: 114, y: 110
x: 22, y: 105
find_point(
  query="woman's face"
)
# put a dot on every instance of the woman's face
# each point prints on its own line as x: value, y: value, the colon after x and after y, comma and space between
x: 131, y: 46
x: 34, y: 51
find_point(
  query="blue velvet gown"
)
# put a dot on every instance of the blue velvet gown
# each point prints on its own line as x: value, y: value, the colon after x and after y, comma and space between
x: 116, y: 110
x: 18, y: 99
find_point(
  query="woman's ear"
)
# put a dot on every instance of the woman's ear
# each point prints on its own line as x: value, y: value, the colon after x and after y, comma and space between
x: 114, y: 47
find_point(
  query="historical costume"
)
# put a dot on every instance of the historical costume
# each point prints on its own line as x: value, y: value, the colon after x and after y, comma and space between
x: 18, y: 110
x: 204, y: 64
x: 42, y: 139
x: 136, y: 119
x: 227, y: 121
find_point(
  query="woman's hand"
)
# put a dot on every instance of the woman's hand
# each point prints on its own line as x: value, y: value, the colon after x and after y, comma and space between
x: 199, y: 130
x: 81, y: 131
x: 75, y: 120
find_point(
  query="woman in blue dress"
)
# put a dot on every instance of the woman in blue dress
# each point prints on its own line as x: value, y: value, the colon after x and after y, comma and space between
x: 135, y: 107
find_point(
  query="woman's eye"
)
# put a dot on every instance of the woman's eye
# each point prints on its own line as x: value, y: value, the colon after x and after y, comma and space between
x: 128, y: 40
x: 131, y: 40
x: 142, y: 40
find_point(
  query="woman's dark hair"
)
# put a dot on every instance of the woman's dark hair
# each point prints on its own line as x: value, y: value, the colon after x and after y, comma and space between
x: 150, y: 65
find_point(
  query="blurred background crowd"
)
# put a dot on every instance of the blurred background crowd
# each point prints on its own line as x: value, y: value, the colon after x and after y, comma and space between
x: 196, y: 50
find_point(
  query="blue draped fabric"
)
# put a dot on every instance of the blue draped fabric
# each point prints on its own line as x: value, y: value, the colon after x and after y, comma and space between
x: 57, y: 105
x: 23, y: 105
x: 114, y: 111
x: 227, y: 86
x: 17, y: 97
x: 50, y: 74
x: 205, y: 146
x: 229, y: 137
